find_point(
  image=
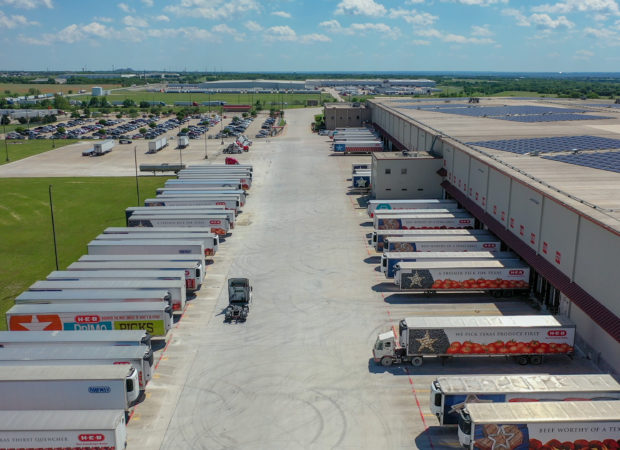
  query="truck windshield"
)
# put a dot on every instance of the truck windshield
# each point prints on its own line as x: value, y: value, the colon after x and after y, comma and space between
x: 379, y: 344
x: 465, y: 425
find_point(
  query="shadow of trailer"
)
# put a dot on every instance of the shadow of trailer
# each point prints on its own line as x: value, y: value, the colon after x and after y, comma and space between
x: 165, y: 167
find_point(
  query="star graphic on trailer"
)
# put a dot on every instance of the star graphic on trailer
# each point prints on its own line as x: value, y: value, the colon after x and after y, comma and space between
x: 426, y: 342
x: 415, y: 280
x: 361, y: 182
x: 501, y: 439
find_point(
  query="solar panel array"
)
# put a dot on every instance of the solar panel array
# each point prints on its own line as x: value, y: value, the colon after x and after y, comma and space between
x: 551, y: 144
x: 605, y: 105
x: 609, y: 161
x: 550, y: 117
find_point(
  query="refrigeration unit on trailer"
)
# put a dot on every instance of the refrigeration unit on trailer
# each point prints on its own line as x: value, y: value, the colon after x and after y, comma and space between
x: 134, y: 274
x: 151, y: 317
x: 232, y: 204
x: 475, y: 336
x: 390, y: 260
x: 410, y: 204
x: 57, y: 429
x: 442, y: 243
x: 176, y: 288
x: 471, y: 275
x: 139, y: 357
x: 193, y: 271
x: 379, y: 236
x: 219, y: 224
x: 208, y: 239
x: 181, y: 211
x: 10, y: 339
x: 423, y: 221
x: 68, y: 387
x: 548, y: 425
x: 86, y: 295
x: 451, y: 393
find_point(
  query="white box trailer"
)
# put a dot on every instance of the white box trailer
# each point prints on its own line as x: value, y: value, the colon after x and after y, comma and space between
x: 183, y: 141
x: 180, y: 211
x: 200, y: 184
x: 76, y: 296
x: 157, y: 144
x: 472, y: 275
x: 209, y: 240
x: 185, y: 173
x: 198, y: 181
x: 475, y: 336
x: 546, y: 425
x: 147, y: 246
x: 390, y: 260
x: 199, y: 167
x: 10, y: 339
x: 362, y: 146
x: 442, y: 243
x: 231, y: 204
x: 379, y: 236
x: 423, y: 221
x: 409, y: 204
x: 138, y: 357
x: 154, y: 258
x: 203, y: 191
x: 178, y: 276
x: 151, y: 317
x: 219, y: 224
x: 360, y: 166
x: 176, y: 288
x: 406, y: 212
x: 451, y: 393
x: 68, y: 387
x: 101, y: 148
x: 43, y: 430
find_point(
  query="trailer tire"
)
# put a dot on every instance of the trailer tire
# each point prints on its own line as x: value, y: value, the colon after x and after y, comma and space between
x: 536, y: 359
x: 417, y: 361
x: 522, y: 360
x: 386, y: 361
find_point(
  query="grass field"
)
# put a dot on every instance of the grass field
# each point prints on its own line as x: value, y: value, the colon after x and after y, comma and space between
x: 20, y: 149
x: 49, y: 88
x: 83, y: 208
x: 521, y: 94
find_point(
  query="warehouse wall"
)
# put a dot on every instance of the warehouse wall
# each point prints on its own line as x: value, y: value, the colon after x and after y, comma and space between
x: 420, y: 179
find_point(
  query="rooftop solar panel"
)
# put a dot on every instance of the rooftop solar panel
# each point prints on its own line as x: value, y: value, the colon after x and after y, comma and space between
x: 550, y: 117
x: 609, y: 161
x: 604, y: 105
x: 551, y: 144
x: 494, y: 111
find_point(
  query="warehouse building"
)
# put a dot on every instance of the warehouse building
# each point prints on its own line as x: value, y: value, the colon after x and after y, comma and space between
x: 345, y: 115
x: 544, y: 176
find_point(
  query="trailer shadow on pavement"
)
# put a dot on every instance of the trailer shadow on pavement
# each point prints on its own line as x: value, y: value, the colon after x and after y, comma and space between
x: 385, y: 287
x: 436, y: 437
x: 366, y: 224
x: 377, y: 368
x: 373, y: 259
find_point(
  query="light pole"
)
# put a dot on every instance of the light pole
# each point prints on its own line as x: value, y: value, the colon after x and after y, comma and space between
x: 135, y: 159
x: 207, y: 129
x: 222, y: 125
x: 53, y: 225
x: 6, y: 145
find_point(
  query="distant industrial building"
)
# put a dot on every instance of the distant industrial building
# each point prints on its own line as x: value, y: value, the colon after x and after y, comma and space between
x: 97, y: 91
x: 238, y: 86
x: 385, y: 83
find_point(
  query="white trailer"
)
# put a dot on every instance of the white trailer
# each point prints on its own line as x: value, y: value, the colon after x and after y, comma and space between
x: 151, y: 317
x: 101, y: 148
x: 423, y: 221
x: 451, y: 393
x: 404, y: 212
x: 10, y: 339
x: 203, y: 167
x: 219, y: 224
x: 181, y: 211
x: 475, y: 336
x: 186, y: 173
x: 183, y: 141
x: 157, y: 144
x: 147, y: 246
x: 200, y: 180
x: 138, y: 357
x: 409, y: 204
x: 379, y: 236
x: 231, y: 204
x: 203, y: 191
x: 442, y: 243
x: 548, y: 425
x: 40, y: 430
x: 75, y: 296
x: 178, y: 276
x: 68, y: 387
x: 209, y: 240
x: 199, y: 184
x: 199, y: 259
x: 361, y: 146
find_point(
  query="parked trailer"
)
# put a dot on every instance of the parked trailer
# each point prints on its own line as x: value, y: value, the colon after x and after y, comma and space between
x: 157, y: 144
x: 390, y: 260
x: 40, y: 430
x: 362, y: 179
x: 176, y: 288
x: 138, y: 357
x: 211, y: 240
x: 360, y: 166
x: 230, y: 204
x: 249, y: 167
x: 442, y: 243
x: 68, y: 387
x: 410, y: 204
x: 548, y: 425
x: 219, y: 224
x: 76, y: 296
x: 497, y: 276
x: 379, y: 236
x: 154, y: 258
x: 197, y: 184
x: 423, y: 221
x: 151, y: 317
x: 180, y: 211
x: 101, y: 148
x: 208, y: 241
x: 10, y: 339
x: 459, y: 336
x: 451, y: 393
x: 178, y: 276
x: 147, y: 246
x: 358, y: 147
x: 193, y: 174
x: 183, y: 142
x: 407, y: 212
x: 200, y: 196
x: 185, y: 192
x: 244, y: 179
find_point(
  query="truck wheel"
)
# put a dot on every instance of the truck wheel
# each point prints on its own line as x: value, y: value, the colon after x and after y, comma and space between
x: 417, y: 361
x: 522, y: 360
x: 536, y: 360
x: 386, y: 361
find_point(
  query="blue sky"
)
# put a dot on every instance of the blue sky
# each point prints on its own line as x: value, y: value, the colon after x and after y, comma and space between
x: 296, y: 35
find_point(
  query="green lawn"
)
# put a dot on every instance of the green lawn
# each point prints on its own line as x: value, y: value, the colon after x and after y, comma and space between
x: 83, y: 208
x: 20, y: 149
x: 521, y: 94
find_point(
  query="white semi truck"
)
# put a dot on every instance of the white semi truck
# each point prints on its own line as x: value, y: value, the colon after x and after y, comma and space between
x: 183, y: 141
x: 526, y: 338
x: 451, y: 393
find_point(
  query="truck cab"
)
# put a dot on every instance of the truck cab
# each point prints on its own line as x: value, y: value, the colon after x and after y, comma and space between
x: 384, y: 350
x: 464, y: 431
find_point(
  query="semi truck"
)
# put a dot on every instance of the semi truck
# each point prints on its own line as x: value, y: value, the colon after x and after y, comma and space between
x: 42, y: 430
x: 151, y: 317
x: 43, y: 387
x: 139, y: 357
x: 389, y: 260
x: 9, y: 339
x: 548, y: 425
x: 423, y: 221
x: 451, y: 393
x: 135, y: 274
x: 101, y: 148
x: 208, y: 239
x: 193, y: 271
x: 176, y: 288
x: 181, y: 211
x: 231, y: 204
x: 379, y: 236
x: 157, y: 144
x: 410, y: 204
x: 526, y: 338
x: 75, y: 296
x: 442, y: 243
x: 362, y: 146
x: 219, y: 224
x: 183, y: 141
x: 431, y: 277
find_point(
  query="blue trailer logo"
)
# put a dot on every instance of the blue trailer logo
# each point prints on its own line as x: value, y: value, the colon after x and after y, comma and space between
x: 384, y: 206
x: 339, y: 147
x: 99, y: 389
x: 74, y: 326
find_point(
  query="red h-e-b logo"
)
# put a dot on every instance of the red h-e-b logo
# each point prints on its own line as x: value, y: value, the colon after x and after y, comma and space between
x: 220, y: 203
x: 556, y: 333
x: 558, y: 257
x: 545, y: 247
x: 94, y: 437
x: 87, y: 319
x: 489, y: 245
x: 516, y: 272
x: 464, y: 221
x: 215, y: 222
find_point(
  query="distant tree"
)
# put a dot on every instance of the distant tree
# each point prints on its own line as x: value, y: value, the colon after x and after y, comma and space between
x: 144, y: 104
x: 103, y: 101
x: 152, y: 124
x: 20, y: 130
x: 5, y: 120
x: 33, y: 91
x: 7, y: 92
x: 119, y: 115
x: 51, y: 80
x: 86, y: 112
x: 128, y: 103
x: 22, y: 120
x: 103, y: 122
x: 143, y: 130
x: 75, y: 114
x: 61, y: 130
x: 70, y: 91
x: 61, y: 102
x: 184, y: 130
x: 94, y: 101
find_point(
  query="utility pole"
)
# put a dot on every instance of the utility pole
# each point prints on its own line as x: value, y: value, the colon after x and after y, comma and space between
x: 6, y: 145
x: 135, y: 159
x: 206, y: 156
x: 53, y: 226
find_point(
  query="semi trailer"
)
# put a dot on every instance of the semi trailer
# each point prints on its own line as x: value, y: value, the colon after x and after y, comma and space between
x: 423, y: 221
x: 219, y: 224
x: 211, y: 192
x: 442, y: 243
x: 76, y: 296
x: 9, y: 339
x: 135, y: 274
x: 181, y: 211
x: 361, y: 146
x: 409, y: 204
x: 157, y: 145
x: 101, y: 148
x: 378, y: 236
x: 209, y: 240
x: 231, y: 204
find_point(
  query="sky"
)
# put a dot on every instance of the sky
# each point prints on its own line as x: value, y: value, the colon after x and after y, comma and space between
x: 311, y: 35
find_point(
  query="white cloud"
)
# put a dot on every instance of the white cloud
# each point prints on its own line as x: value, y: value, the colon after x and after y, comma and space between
x: 131, y: 21
x: 283, y: 14
x: 334, y: 26
x: 314, y: 37
x: 412, y: 16
x: 27, y: 4
x: 454, y: 38
x: 583, y: 55
x: 568, y: 6
x: 600, y: 17
x: 212, y: 9
x: 253, y: 26
x: 162, y: 18
x: 521, y: 19
x: 414, y: 2
x: 361, y: 8
x: 481, y: 2
x: 147, y: 2
x: 103, y: 19
x: 280, y: 33
x: 421, y: 42
x: 603, y: 36
x: 13, y: 21
x: 483, y: 31
x: 32, y: 41
x: 223, y: 28
x: 543, y: 21
x: 70, y: 34
x: 125, y: 8
x: 95, y: 29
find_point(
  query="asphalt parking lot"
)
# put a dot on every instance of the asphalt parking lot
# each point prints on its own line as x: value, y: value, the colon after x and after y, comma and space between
x: 298, y: 374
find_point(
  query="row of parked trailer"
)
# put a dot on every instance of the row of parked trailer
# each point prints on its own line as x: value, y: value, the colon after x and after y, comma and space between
x: 78, y: 352
x: 432, y: 246
x: 355, y: 140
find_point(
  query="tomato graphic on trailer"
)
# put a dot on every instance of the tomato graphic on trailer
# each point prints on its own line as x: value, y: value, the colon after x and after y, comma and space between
x: 39, y: 322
